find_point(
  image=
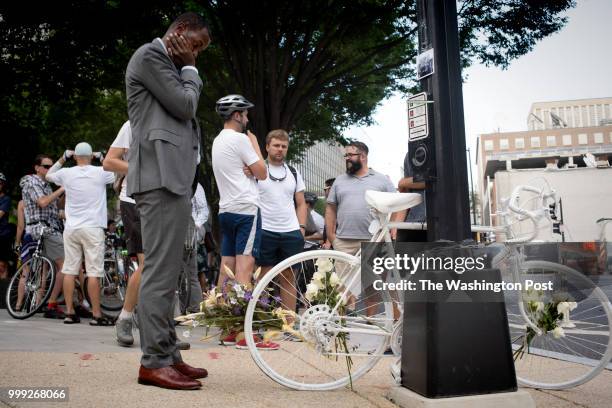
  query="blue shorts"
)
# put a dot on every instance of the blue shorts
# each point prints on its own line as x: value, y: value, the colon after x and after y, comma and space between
x: 240, y: 234
x: 278, y: 246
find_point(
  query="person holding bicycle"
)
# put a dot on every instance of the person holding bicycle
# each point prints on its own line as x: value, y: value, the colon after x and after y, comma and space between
x: 41, y: 211
x: 86, y: 218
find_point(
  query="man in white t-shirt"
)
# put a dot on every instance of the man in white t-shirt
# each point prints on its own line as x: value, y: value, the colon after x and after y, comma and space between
x: 237, y: 163
x: 86, y: 219
x: 283, y: 214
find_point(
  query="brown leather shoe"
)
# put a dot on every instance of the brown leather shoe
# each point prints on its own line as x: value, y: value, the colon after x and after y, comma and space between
x: 167, y: 377
x: 189, y: 371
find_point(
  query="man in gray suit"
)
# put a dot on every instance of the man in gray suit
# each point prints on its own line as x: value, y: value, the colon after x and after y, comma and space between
x: 163, y: 88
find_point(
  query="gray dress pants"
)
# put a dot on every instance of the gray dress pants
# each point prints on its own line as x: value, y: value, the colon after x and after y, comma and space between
x: 164, y: 217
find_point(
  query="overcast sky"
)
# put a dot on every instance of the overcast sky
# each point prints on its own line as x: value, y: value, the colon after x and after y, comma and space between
x: 574, y: 63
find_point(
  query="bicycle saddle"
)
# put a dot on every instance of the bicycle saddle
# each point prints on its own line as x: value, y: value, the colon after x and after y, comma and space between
x: 391, y: 202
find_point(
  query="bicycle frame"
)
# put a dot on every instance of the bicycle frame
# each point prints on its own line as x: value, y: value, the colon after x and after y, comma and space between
x: 383, y: 227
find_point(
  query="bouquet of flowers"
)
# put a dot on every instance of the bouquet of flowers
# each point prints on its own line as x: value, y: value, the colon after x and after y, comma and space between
x: 225, y: 307
x: 551, y: 317
x: 325, y: 288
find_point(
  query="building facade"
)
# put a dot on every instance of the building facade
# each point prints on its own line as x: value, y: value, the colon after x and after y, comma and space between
x: 320, y: 162
x: 563, y: 135
x: 570, y: 114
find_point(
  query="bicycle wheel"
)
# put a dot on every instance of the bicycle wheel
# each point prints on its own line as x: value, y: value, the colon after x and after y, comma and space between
x: 112, y: 288
x: 583, y: 349
x: 329, y: 342
x: 30, y: 287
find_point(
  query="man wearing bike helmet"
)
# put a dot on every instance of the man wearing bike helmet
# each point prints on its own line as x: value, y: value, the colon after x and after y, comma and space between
x: 238, y: 164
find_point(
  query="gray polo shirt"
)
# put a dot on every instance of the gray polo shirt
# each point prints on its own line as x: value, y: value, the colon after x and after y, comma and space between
x: 353, y: 213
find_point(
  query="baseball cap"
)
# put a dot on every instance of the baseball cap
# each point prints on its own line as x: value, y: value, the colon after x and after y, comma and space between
x: 83, y: 149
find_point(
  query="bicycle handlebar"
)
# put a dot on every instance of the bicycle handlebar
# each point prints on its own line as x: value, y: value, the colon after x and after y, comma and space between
x: 533, y: 216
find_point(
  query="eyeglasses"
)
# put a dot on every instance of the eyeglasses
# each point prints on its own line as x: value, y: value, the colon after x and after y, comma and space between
x: 349, y: 155
x: 46, y: 166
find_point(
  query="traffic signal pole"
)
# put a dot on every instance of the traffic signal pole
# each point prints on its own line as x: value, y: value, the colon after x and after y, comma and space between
x: 449, y: 349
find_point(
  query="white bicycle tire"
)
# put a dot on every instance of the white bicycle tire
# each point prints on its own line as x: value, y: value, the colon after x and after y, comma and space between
x: 255, y: 353
x: 607, y: 308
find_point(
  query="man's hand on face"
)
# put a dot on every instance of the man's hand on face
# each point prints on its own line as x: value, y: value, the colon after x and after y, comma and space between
x: 179, y: 50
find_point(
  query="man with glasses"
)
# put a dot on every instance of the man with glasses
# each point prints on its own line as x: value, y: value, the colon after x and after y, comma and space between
x: 347, y: 216
x: 41, y: 210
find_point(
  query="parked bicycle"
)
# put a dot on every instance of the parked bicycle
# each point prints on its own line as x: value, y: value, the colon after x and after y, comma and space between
x: 31, y: 286
x: 118, y: 267
x: 371, y: 321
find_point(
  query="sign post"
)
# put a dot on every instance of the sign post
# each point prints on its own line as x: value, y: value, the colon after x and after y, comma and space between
x: 448, y: 349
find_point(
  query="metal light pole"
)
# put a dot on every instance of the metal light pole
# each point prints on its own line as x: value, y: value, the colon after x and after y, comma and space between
x: 449, y: 349
x: 472, y: 186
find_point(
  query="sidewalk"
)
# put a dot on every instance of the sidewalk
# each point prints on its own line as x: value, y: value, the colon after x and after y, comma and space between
x: 101, y: 374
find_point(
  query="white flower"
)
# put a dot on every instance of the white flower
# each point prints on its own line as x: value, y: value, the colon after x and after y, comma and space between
x: 558, y: 332
x: 334, y: 279
x: 539, y: 306
x: 339, y: 299
x: 229, y: 273
x: 324, y: 265
x: 318, y: 283
x: 233, y: 301
x: 563, y: 307
x: 318, y: 276
x: 311, y: 291
x: 238, y: 289
x: 210, y: 302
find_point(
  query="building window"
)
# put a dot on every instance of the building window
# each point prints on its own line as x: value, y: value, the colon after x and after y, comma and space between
x: 551, y: 141
x: 519, y: 143
x: 583, y: 138
x: 567, y: 140
x: 535, y: 141
x: 503, y: 144
x: 488, y: 145
x: 598, y: 137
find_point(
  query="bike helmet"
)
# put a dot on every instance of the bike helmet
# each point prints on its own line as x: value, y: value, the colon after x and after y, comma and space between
x: 310, y: 197
x: 230, y: 104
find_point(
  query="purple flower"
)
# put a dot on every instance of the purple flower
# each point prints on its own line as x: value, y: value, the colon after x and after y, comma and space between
x: 237, y: 311
x: 277, y: 299
x: 248, y: 295
x: 224, y: 288
x: 264, y: 301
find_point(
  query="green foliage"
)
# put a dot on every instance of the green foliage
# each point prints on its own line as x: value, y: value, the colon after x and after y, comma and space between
x: 313, y: 68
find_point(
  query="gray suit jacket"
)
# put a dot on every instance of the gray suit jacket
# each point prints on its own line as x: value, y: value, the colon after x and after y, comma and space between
x: 162, y: 103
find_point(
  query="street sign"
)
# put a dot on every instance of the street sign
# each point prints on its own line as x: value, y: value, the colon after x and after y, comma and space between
x: 417, y: 117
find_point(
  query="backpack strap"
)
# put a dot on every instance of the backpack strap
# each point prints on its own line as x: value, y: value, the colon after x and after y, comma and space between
x: 293, y: 171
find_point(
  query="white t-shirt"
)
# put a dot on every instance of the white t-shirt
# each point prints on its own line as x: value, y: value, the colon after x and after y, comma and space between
x: 85, y: 195
x: 122, y: 141
x: 318, y: 220
x: 231, y: 151
x: 276, y: 199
